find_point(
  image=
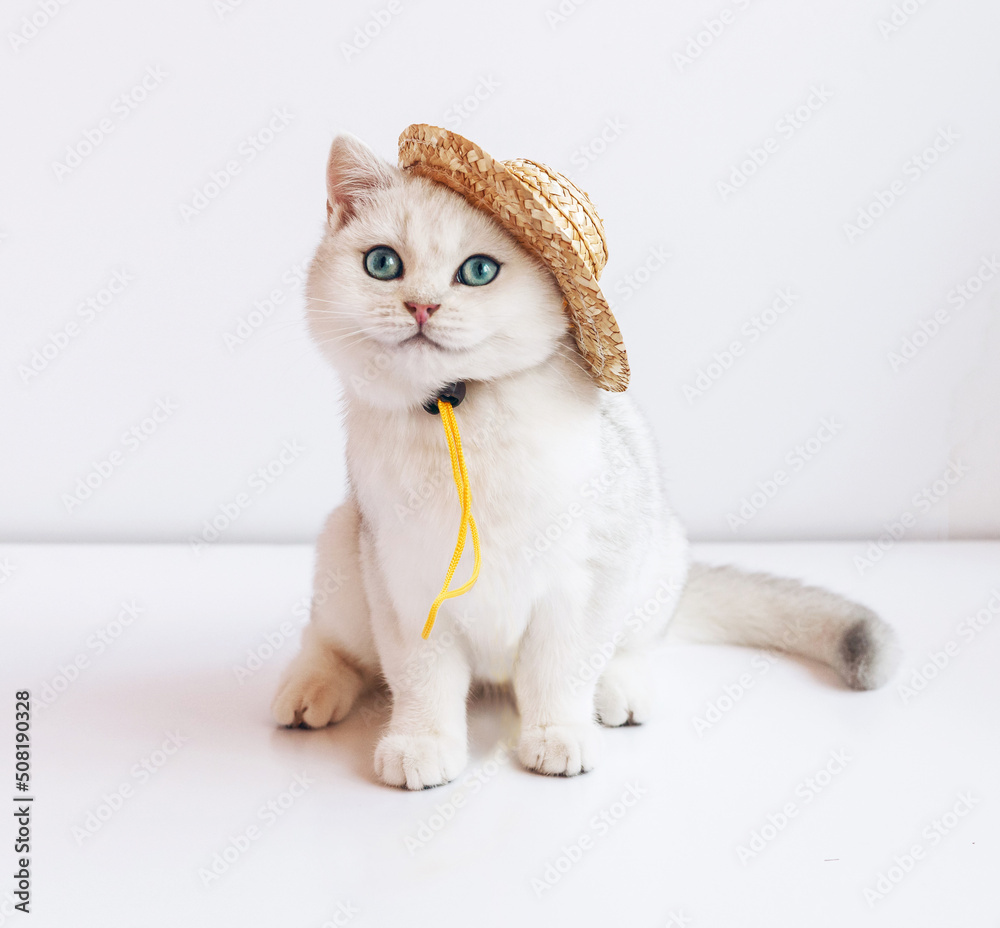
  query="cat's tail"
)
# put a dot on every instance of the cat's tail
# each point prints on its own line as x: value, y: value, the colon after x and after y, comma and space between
x: 723, y: 605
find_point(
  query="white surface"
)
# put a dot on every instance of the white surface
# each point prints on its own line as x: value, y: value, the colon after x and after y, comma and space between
x: 547, y: 89
x: 344, y: 839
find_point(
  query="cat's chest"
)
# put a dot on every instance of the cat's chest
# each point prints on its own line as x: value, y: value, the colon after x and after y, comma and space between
x: 520, y: 466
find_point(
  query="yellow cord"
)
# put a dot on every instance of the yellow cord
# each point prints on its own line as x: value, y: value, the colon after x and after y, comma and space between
x: 461, y: 476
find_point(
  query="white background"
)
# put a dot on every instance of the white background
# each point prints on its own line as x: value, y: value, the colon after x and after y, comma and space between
x: 549, y: 84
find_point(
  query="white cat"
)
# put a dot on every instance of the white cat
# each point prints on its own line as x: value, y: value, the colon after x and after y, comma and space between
x: 583, y: 561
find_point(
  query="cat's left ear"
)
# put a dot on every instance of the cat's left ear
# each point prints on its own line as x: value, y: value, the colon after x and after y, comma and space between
x: 353, y: 173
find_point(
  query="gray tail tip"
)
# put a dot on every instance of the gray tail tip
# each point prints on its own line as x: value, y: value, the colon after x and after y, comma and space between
x: 869, y: 652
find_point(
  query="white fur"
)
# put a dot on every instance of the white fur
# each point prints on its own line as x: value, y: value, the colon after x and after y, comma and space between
x: 582, y: 559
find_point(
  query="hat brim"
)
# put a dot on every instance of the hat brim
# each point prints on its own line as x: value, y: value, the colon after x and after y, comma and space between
x: 450, y: 159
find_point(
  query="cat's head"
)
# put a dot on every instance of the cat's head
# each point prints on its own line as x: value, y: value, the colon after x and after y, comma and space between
x: 413, y: 288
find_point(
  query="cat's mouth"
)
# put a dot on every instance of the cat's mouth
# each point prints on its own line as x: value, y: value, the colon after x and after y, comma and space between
x: 422, y: 339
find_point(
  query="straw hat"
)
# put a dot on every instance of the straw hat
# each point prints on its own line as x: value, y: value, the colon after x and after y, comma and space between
x: 549, y: 215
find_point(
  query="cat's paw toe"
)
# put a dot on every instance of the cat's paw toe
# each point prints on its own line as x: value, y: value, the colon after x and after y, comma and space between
x: 315, y: 693
x: 419, y: 761
x: 560, y: 750
x: 618, y: 703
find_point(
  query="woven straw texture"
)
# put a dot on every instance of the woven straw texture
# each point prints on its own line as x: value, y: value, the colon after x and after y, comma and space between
x: 550, y: 216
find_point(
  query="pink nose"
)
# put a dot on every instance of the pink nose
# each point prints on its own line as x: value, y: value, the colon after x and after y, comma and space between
x: 422, y: 311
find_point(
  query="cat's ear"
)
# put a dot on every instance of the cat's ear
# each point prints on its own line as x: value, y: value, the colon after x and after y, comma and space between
x: 353, y: 173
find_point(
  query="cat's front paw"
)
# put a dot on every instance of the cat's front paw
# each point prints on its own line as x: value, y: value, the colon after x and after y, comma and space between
x: 317, y: 689
x: 560, y: 750
x: 419, y: 761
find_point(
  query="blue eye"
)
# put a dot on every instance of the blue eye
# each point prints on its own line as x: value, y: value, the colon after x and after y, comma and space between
x: 382, y: 263
x: 477, y: 271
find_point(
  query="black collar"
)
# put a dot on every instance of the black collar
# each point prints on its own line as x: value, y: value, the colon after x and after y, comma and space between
x: 452, y: 393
